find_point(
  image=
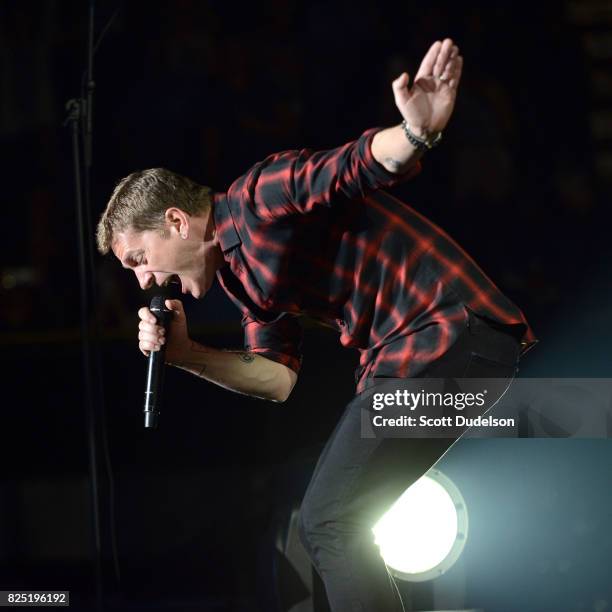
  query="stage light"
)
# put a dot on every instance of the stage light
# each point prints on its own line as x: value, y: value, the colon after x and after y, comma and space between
x: 424, y: 532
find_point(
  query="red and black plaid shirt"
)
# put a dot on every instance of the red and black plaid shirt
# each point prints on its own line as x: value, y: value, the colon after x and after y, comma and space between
x: 313, y: 233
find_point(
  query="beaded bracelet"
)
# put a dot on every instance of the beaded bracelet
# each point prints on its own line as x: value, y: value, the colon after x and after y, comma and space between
x: 421, y: 144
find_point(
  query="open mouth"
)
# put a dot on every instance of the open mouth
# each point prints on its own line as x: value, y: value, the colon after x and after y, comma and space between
x: 176, y: 281
x: 172, y: 280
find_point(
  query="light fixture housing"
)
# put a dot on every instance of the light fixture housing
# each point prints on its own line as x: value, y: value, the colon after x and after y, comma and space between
x: 422, y: 535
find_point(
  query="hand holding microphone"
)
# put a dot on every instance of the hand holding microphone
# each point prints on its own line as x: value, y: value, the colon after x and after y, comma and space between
x: 162, y: 337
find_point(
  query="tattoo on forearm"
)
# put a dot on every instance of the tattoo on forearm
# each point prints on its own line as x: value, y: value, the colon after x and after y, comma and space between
x: 199, y: 369
x: 393, y: 163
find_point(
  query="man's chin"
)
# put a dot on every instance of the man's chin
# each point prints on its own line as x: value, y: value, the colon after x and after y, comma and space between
x: 197, y: 292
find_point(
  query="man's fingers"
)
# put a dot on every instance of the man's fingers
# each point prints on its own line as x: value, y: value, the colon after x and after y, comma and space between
x: 448, y: 70
x: 176, y: 306
x: 148, y: 347
x: 151, y: 328
x: 454, y: 82
x: 443, y: 57
x: 400, y: 88
x: 151, y: 336
x: 426, y: 67
x: 146, y: 315
x: 150, y: 341
x: 401, y: 81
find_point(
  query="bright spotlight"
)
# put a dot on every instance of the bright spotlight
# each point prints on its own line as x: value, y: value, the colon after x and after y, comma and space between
x: 425, y: 530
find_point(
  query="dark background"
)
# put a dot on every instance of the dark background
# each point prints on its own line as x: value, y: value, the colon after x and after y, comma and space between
x: 206, y: 89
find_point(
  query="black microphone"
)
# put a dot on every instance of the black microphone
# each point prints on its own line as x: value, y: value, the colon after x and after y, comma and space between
x: 155, y: 369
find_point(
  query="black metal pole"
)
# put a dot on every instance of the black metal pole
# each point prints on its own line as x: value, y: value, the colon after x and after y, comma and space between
x: 81, y: 120
x: 75, y: 108
x: 80, y: 117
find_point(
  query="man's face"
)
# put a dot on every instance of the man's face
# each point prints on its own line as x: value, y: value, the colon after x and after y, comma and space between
x: 157, y: 259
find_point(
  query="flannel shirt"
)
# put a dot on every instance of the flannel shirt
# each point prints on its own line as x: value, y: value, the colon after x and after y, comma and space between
x: 314, y: 233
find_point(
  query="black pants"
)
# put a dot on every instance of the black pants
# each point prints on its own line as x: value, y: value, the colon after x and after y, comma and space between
x: 357, y: 479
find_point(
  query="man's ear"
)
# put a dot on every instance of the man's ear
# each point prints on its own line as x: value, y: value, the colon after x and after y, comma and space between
x: 177, y: 220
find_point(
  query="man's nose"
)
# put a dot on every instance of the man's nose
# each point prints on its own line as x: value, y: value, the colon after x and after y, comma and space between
x: 145, y: 279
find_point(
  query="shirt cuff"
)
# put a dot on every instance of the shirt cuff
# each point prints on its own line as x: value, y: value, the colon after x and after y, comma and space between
x: 278, y: 341
x: 378, y: 175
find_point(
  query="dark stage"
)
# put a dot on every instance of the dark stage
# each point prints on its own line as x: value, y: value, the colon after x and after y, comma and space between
x: 196, y: 514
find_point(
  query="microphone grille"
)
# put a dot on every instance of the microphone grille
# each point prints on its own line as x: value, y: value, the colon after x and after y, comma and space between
x: 157, y: 303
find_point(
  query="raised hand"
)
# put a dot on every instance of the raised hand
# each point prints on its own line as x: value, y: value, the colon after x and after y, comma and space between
x: 428, y: 104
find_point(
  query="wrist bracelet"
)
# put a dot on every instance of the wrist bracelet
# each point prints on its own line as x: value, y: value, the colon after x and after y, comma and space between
x: 421, y: 144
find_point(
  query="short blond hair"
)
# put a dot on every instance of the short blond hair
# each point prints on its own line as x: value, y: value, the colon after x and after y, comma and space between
x: 140, y: 200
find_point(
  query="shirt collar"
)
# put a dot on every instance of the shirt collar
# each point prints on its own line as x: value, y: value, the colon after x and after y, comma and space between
x: 224, y: 223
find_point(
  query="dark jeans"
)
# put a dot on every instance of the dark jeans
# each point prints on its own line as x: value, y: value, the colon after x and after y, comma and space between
x: 357, y: 479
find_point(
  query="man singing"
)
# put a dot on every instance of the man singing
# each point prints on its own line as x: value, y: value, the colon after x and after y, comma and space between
x: 314, y: 233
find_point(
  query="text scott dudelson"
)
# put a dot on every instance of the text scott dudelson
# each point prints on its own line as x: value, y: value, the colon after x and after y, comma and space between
x: 447, y: 421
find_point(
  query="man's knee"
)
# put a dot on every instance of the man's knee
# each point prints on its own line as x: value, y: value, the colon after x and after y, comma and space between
x: 316, y: 523
x: 303, y: 534
x: 306, y: 526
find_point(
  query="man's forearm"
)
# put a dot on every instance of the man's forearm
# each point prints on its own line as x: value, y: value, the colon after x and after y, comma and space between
x: 238, y: 371
x: 392, y: 149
